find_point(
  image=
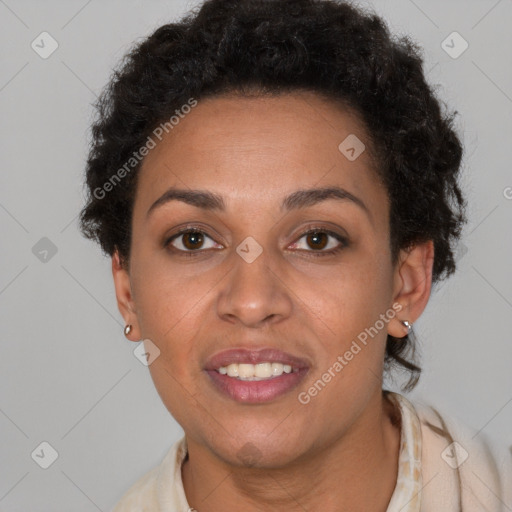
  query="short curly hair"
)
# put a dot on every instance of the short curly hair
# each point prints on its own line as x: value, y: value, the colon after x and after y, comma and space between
x: 340, y: 52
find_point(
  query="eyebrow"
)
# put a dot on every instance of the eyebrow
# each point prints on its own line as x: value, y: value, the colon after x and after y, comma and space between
x: 296, y: 200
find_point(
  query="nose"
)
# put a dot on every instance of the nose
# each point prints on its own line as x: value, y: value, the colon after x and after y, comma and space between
x: 254, y: 293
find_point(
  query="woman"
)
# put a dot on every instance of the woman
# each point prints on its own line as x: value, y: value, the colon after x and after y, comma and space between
x: 277, y: 186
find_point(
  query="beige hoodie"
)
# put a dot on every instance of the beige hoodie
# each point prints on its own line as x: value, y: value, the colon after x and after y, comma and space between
x: 444, y: 466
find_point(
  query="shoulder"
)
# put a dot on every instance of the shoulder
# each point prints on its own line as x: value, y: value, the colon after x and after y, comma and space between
x: 160, y: 489
x: 141, y: 496
x: 461, y: 465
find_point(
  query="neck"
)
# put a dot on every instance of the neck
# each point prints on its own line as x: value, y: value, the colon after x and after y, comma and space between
x: 356, y: 472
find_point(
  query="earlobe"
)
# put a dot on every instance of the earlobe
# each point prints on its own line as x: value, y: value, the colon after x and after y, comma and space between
x: 124, y: 296
x: 413, y: 282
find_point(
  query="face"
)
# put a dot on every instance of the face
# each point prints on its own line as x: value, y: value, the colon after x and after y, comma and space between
x: 246, y: 283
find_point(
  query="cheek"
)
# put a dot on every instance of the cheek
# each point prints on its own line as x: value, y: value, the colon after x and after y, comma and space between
x: 357, y: 292
x: 348, y: 320
x: 168, y: 299
x: 167, y: 318
x: 176, y: 392
x: 352, y: 337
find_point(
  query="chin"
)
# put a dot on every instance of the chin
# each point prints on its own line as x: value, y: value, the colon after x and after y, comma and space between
x: 259, y: 452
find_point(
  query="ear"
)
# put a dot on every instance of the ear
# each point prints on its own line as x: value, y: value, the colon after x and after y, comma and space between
x: 412, y: 285
x: 124, y: 297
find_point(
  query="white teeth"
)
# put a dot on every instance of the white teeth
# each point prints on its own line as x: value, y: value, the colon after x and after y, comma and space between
x: 232, y: 370
x: 245, y: 371
x: 277, y: 369
x: 263, y: 370
x: 260, y: 371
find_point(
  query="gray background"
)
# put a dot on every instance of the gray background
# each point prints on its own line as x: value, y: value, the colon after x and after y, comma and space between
x: 68, y: 375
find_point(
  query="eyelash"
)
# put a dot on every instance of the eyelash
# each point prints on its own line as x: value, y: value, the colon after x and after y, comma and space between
x: 314, y: 229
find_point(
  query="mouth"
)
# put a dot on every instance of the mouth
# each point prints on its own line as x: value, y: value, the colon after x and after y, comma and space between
x: 249, y: 376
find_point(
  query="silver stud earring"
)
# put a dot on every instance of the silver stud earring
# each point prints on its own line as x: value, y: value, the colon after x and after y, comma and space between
x: 407, y: 325
x: 127, y: 330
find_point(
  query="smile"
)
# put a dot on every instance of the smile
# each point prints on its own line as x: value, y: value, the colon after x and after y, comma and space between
x: 252, y: 372
x: 255, y: 377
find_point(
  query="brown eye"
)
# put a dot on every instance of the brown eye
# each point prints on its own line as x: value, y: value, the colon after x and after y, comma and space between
x: 317, y: 239
x: 193, y: 240
x: 190, y: 241
x: 320, y: 242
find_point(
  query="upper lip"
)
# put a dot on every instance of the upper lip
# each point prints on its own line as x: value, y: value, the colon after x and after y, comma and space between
x: 241, y: 355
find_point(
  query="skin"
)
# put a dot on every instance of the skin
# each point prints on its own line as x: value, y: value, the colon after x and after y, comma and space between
x: 340, y: 451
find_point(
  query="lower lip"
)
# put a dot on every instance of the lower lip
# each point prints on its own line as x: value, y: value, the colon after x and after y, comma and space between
x: 256, y: 391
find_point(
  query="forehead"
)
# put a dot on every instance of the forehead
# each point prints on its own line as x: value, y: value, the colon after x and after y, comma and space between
x: 261, y: 148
